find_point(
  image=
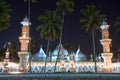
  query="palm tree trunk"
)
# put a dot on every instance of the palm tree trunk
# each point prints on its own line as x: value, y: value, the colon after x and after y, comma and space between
x: 93, y: 36
x: 30, y: 56
x: 46, y: 55
x: 60, y: 42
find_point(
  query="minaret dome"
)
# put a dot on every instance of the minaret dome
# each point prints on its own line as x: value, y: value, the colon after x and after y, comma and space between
x: 26, y: 22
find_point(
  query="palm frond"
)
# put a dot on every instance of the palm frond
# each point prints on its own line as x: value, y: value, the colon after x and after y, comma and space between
x: 117, y: 24
x: 4, y: 15
x: 65, y: 6
x: 91, y: 18
x: 50, y: 25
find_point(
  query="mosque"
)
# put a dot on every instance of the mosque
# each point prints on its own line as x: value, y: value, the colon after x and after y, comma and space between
x: 67, y: 62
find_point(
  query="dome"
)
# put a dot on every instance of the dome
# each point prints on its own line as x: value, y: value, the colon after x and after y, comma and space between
x: 79, y: 56
x: 40, y: 56
x: 26, y: 19
x: 63, y: 55
x: 62, y: 51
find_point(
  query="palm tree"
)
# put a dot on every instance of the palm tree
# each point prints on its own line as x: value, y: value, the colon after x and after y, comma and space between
x: 63, y: 7
x: 117, y: 24
x: 4, y: 15
x: 91, y: 22
x: 50, y: 28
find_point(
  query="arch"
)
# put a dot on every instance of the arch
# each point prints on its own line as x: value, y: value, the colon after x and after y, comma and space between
x: 58, y: 69
x: 80, y: 69
x: 76, y: 69
x: 118, y: 69
x: 39, y: 69
x: 67, y: 68
x: 0, y: 68
x: 35, y: 69
x: 99, y: 68
x: 52, y: 69
x: 42, y: 70
x: 89, y: 68
x: 85, y: 69
x: 48, y: 69
x: 93, y: 68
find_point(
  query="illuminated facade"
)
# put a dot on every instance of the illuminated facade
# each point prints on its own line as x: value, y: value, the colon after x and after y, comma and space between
x: 67, y: 62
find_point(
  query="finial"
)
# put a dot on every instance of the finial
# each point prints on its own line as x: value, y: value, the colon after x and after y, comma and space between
x: 91, y: 57
x: 104, y: 22
x: 60, y: 45
x: 26, y: 19
x: 41, y: 46
x: 79, y: 48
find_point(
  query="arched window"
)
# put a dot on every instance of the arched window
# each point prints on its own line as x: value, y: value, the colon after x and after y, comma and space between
x: 48, y: 69
x: 39, y: 69
x: 85, y: 68
x: 52, y: 69
x: 80, y: 69
x: 89, y: 68
x: 58, y: 69
x: 76, y: 69
x: 67, y: 68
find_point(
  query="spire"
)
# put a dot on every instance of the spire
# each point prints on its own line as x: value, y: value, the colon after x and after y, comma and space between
x: 91, y: 57
x: 26, y: 19
x: 99, y: 58
x: 41, y: 46
x: 41, y: 53
x: 104, y: 22
x: 79, y: 50
x: 40, y: 50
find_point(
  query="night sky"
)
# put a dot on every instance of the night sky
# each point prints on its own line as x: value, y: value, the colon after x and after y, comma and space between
x: 72, y: 32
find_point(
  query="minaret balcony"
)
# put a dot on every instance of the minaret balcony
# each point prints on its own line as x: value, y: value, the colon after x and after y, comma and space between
x: 105, y: 40
x: 24, y: 38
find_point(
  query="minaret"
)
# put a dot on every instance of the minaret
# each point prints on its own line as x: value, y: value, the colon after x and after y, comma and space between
x: 24, y: 40
x: 106, y: 42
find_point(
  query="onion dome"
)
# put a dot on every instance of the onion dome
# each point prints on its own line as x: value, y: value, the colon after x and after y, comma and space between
x: 26, y: 22
x: 79, y: 56
x: 40, y: 56
x: 62, y: 55
x: 62, y: 51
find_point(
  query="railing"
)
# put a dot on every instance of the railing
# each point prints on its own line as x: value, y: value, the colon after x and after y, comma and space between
x: 60, y: 76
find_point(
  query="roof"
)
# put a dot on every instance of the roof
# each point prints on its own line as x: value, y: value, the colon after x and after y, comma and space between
x: 40, y: 56
x: 79, y: 56
x: 62, y: 51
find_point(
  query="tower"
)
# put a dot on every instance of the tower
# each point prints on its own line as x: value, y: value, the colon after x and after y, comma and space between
x: 106, y: 42
x: 24, y: 40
